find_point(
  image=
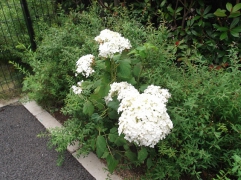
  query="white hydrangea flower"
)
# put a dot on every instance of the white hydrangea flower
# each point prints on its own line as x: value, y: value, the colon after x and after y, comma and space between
x: 144, y: 118
x: 106, y: 35
x: 120, y: 90
x: 84, y: 65
x: 157, y: 91
x: 111, y: 42
x: 77, y: 89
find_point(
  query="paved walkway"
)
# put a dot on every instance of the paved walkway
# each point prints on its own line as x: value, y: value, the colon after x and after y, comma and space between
x: 24, y: 156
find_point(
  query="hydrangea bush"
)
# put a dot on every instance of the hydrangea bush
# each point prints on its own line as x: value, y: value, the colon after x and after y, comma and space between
x: 110, y: 93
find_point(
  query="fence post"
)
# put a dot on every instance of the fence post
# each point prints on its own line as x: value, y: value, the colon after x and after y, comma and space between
x: 28, y: 23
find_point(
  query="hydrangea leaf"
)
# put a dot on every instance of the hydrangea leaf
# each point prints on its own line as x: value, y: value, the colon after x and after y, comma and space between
x: 113, y: 114
x: 137, y: 69
x: 130, y: 155
x: 114, y: 104
x: 113, y: 130
x: 105, y: 155
x: 112, y: 137
x: 142, y: 154
x: 120, y: 141
x: 100, y: 146
x: 111, y: 163
x: 124, y: 69
x: 149, y: 163
x: 88, y: 108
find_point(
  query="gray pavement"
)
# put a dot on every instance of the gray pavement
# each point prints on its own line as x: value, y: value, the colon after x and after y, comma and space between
x: 24, y: 156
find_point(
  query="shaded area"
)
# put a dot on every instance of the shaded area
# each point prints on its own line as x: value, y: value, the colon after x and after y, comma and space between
x: 25, y: 156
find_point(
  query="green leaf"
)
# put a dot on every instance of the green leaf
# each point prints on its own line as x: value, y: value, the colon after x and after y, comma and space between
x: 210, y: 15
x: 223, y: 36
x: 200, y: 23
x: 220, y: 13
x: 235, y: 31
x: 163, y: 3
x: 196, y: 17
x: 142, y: 154
x: 96, y: 117
x: 137, y: 69
x: 88, y: 108
x: 149, y: 163
x: 143, y: 87
x: 102, y: 90
x: 207, y: 10
x: 113, y: 130
x: 100, y: 146
x: 116, y: 57
x: 112, y: 114
x: 107, y: 66
x: 131, y: 156
x: 179, y: 9
x: 114, y: 104
x: 120, y: 141
x: 111, y: 163
x: 237, y: 7
x: 234, y: 14
x: 131, y: 80
x: 217, y: 134
x: 222, y: 29
x: 105, y: 155
x: 194, y: 32
x: 100, y: 64
x: 124, y: 69
x: 234, y: 23
x: 112, y: 137
x: 229, y: 6
x: 169, y: 8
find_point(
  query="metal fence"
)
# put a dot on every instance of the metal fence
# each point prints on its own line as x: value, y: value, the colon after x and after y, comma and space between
x: 19, y: 22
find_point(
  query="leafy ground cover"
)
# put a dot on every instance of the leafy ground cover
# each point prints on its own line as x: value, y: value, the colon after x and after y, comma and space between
x: 203, y: 138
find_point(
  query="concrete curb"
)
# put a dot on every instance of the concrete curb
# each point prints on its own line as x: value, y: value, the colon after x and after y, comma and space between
x: 91, y: 162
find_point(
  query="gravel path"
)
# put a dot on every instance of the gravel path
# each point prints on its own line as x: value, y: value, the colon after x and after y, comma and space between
x: 24, y: 156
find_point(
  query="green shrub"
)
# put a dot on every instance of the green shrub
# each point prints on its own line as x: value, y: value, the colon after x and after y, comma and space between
x: 53, y: 62
x: 13, y: 27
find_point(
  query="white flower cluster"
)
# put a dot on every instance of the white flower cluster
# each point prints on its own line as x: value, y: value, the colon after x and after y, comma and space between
x: 84, y: 65
x: 77, y: 89
x: 111, y: 42
x: 144, y: 118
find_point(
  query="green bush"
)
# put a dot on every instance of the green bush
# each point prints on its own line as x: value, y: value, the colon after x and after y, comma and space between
x: 210, y: 25
x: 13, y: 27
x: 53, y: 62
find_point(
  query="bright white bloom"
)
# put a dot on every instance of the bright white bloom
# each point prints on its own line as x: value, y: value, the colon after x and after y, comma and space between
x: 111, y: 42
x: 84, y: 65
x: 144, y: 118
x: 120, y: 90
x: 157, y: 91
x: 106, y: 35
x: 77, y: 89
